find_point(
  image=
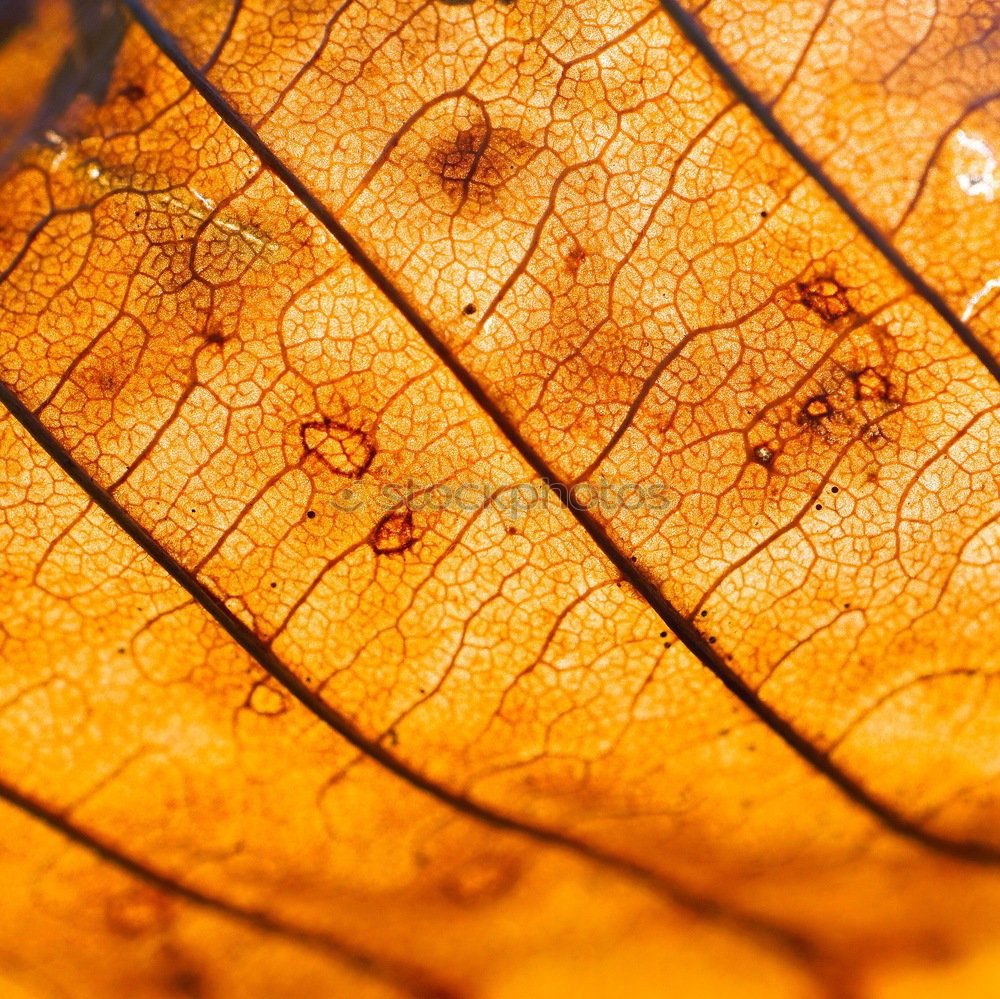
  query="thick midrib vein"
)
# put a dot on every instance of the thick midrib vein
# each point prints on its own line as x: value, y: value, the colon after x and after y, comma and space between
x: 688, y: 24
x: 669, y: 614
x: 408, y: 977
x: 788, y: 940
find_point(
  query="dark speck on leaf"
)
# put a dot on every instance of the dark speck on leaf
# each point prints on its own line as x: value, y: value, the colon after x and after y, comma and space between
x: 133, y: 92
x: 393, y: 534
x: 816, y: 409
x: 827, y: 298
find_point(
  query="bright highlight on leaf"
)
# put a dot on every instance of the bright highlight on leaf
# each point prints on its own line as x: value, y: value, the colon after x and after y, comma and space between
x: 499, y: 499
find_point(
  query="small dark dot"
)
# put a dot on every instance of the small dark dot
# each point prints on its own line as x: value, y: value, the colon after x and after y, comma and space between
x: 470, y: 309
x: 121, y: 651
x: 663, y: 634
x: 711, y: 640
x: 133, y: 92
x: 634, y: 558
x: 512, y: 530
x: 834, y: 489
x: 763, y: 215
x: 819, y: 506
x: 274, y: 586
x: 311, y: 514
x: 704, y: 613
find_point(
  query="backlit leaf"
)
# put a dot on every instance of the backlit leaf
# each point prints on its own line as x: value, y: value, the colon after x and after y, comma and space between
x: 481, y: 518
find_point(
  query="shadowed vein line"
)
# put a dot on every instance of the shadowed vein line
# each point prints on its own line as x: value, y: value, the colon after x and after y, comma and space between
x: 692, y: 30
x: 696, y: 643
x: 789, y: 941
x: 414, y: 980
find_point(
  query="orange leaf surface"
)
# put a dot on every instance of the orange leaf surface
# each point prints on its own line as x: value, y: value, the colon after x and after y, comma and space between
x: 486, y: 513
x: 900, y: 104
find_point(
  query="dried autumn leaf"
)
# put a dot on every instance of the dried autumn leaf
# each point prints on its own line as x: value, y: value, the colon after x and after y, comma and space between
x: 332, y: 660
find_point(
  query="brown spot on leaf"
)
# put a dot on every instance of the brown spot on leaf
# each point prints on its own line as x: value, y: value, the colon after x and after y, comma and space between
x: 817, y: 408
x: 140, y: 910
x: 574, y: 257
x: 393, y: 533
x: 266, y: 700
x: 180, y: 976
x: 871, y: 384
x: 474, y: 164
x: 133, y: 92
x: 345, y: 450
x: 212, y: 334
x: 483, y: 879
x: 107, y: 382
x: 186, y: 981
x: 827, y: 298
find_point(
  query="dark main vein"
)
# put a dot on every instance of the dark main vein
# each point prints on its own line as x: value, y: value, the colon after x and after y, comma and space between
x: 671, y: 616
x: 788, y: 940
x: 409, y: 977
x: 689, y: 26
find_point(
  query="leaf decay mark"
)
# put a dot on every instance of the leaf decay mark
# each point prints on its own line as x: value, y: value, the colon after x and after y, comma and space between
x: 969, y: 850
x: 344, y: 450
x: 409, y: 977
x: 689, y: 26
x: 391, y: 536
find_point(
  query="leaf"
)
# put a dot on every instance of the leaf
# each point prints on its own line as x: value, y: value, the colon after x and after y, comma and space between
x: 307, y: 640
x: 242, y: 826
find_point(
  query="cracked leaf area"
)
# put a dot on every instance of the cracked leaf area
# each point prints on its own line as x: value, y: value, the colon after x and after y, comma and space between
x: 543, y: 787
